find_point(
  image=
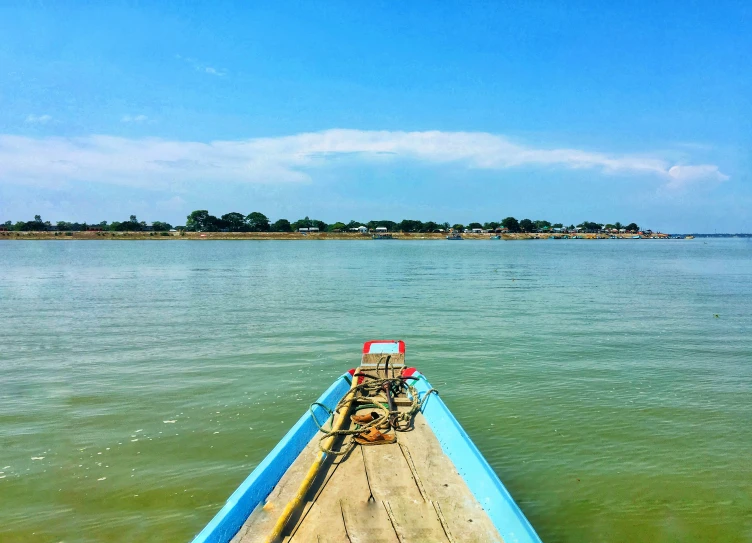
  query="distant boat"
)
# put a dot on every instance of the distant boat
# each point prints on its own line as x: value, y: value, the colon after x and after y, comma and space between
x: 495, y: 237
x: 382, y: 236
x: 377, y: 457
x: 689, y: 237
x: 637, y: 236
x: 453, y: 236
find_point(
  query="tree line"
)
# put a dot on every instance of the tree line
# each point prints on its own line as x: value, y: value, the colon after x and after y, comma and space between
x: 202, y: 221
x: 527, y: 225
x: 131, y: 225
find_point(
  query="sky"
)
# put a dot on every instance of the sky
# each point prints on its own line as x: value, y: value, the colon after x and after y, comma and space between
x: 457, y: 112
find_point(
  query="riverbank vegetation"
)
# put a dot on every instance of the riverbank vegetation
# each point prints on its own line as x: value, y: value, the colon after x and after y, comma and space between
x: 202, y: 221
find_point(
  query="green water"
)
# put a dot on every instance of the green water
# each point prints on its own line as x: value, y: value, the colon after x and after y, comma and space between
x: 593, y: 375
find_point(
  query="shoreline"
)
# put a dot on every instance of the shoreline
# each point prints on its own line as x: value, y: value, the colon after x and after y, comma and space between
x: 277, y: 236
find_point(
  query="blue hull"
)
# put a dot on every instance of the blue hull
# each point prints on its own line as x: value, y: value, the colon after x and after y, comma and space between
x: 456, y: 444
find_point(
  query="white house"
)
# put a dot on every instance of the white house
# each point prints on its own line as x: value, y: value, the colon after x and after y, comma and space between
x: 313, y: 229
x: 302, y: 229
x: 381, y: 229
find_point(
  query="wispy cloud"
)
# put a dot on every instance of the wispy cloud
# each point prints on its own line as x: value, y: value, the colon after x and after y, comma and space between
x: 38, y: 119
x: 201, y: 66
x: 682, y: 176
x: 144, y: 162
x: 134, y: 118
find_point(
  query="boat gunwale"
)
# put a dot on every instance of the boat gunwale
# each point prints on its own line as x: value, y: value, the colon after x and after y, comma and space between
x: 262, y: 480
x: 475, y: 470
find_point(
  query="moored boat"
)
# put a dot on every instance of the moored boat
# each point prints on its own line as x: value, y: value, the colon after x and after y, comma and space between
x: 454, y: 236
x: 390, y: 464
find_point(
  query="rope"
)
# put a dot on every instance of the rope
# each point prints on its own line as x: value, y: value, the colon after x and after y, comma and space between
x: 373, y: 389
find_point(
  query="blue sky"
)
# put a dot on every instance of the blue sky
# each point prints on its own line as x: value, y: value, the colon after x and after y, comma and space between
x: 351, y: 110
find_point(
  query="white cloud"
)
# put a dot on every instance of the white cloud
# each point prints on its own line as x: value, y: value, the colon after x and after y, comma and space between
x: 134, y: 118
x: 38, y: 119
x: 682, y: 176
x: 201, y: 67
x: 146, y: 162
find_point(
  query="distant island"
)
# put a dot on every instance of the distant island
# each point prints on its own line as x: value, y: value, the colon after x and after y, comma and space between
x: 255, y: 225
x: 202, y: 221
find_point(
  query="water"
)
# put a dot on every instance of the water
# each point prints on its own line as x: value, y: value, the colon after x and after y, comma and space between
x: 593, y: 375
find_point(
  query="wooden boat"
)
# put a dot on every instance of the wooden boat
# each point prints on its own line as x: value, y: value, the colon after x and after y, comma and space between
x: 454, y: 237
x: 496, y: 237
x: 382, y: 236
x: 424, y: 482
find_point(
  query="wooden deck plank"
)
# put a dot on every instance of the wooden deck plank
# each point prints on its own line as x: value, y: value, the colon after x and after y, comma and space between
x: 465, y: 517
x: 407, y: 483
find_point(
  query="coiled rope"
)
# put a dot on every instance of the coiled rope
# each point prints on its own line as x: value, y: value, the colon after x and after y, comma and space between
x: 372, y: 388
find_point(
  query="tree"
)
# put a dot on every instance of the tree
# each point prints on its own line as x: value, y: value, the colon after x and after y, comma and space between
x: 474, y: 225
x: 458, y: 227
x: 301, y: 223
x: 131, y: 225
x: 526, y: 225
x: 590, y: 226
x: 429, y: 226
x: 540, y: 225
x: 558, y: 225
x: 201, y: 221
x: 632, y: 227
x: 390, y: 225
x: 308, y: 223
x: 511, y: 224
x: 491, y: 225
x: 618, y: 225
x: 282, y: 225
x: 257, y: 222
x: 158, y: 226
x: 234, y: 222
x: 409, y: 225
x: 31, y: 226
x: 337, y: 227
